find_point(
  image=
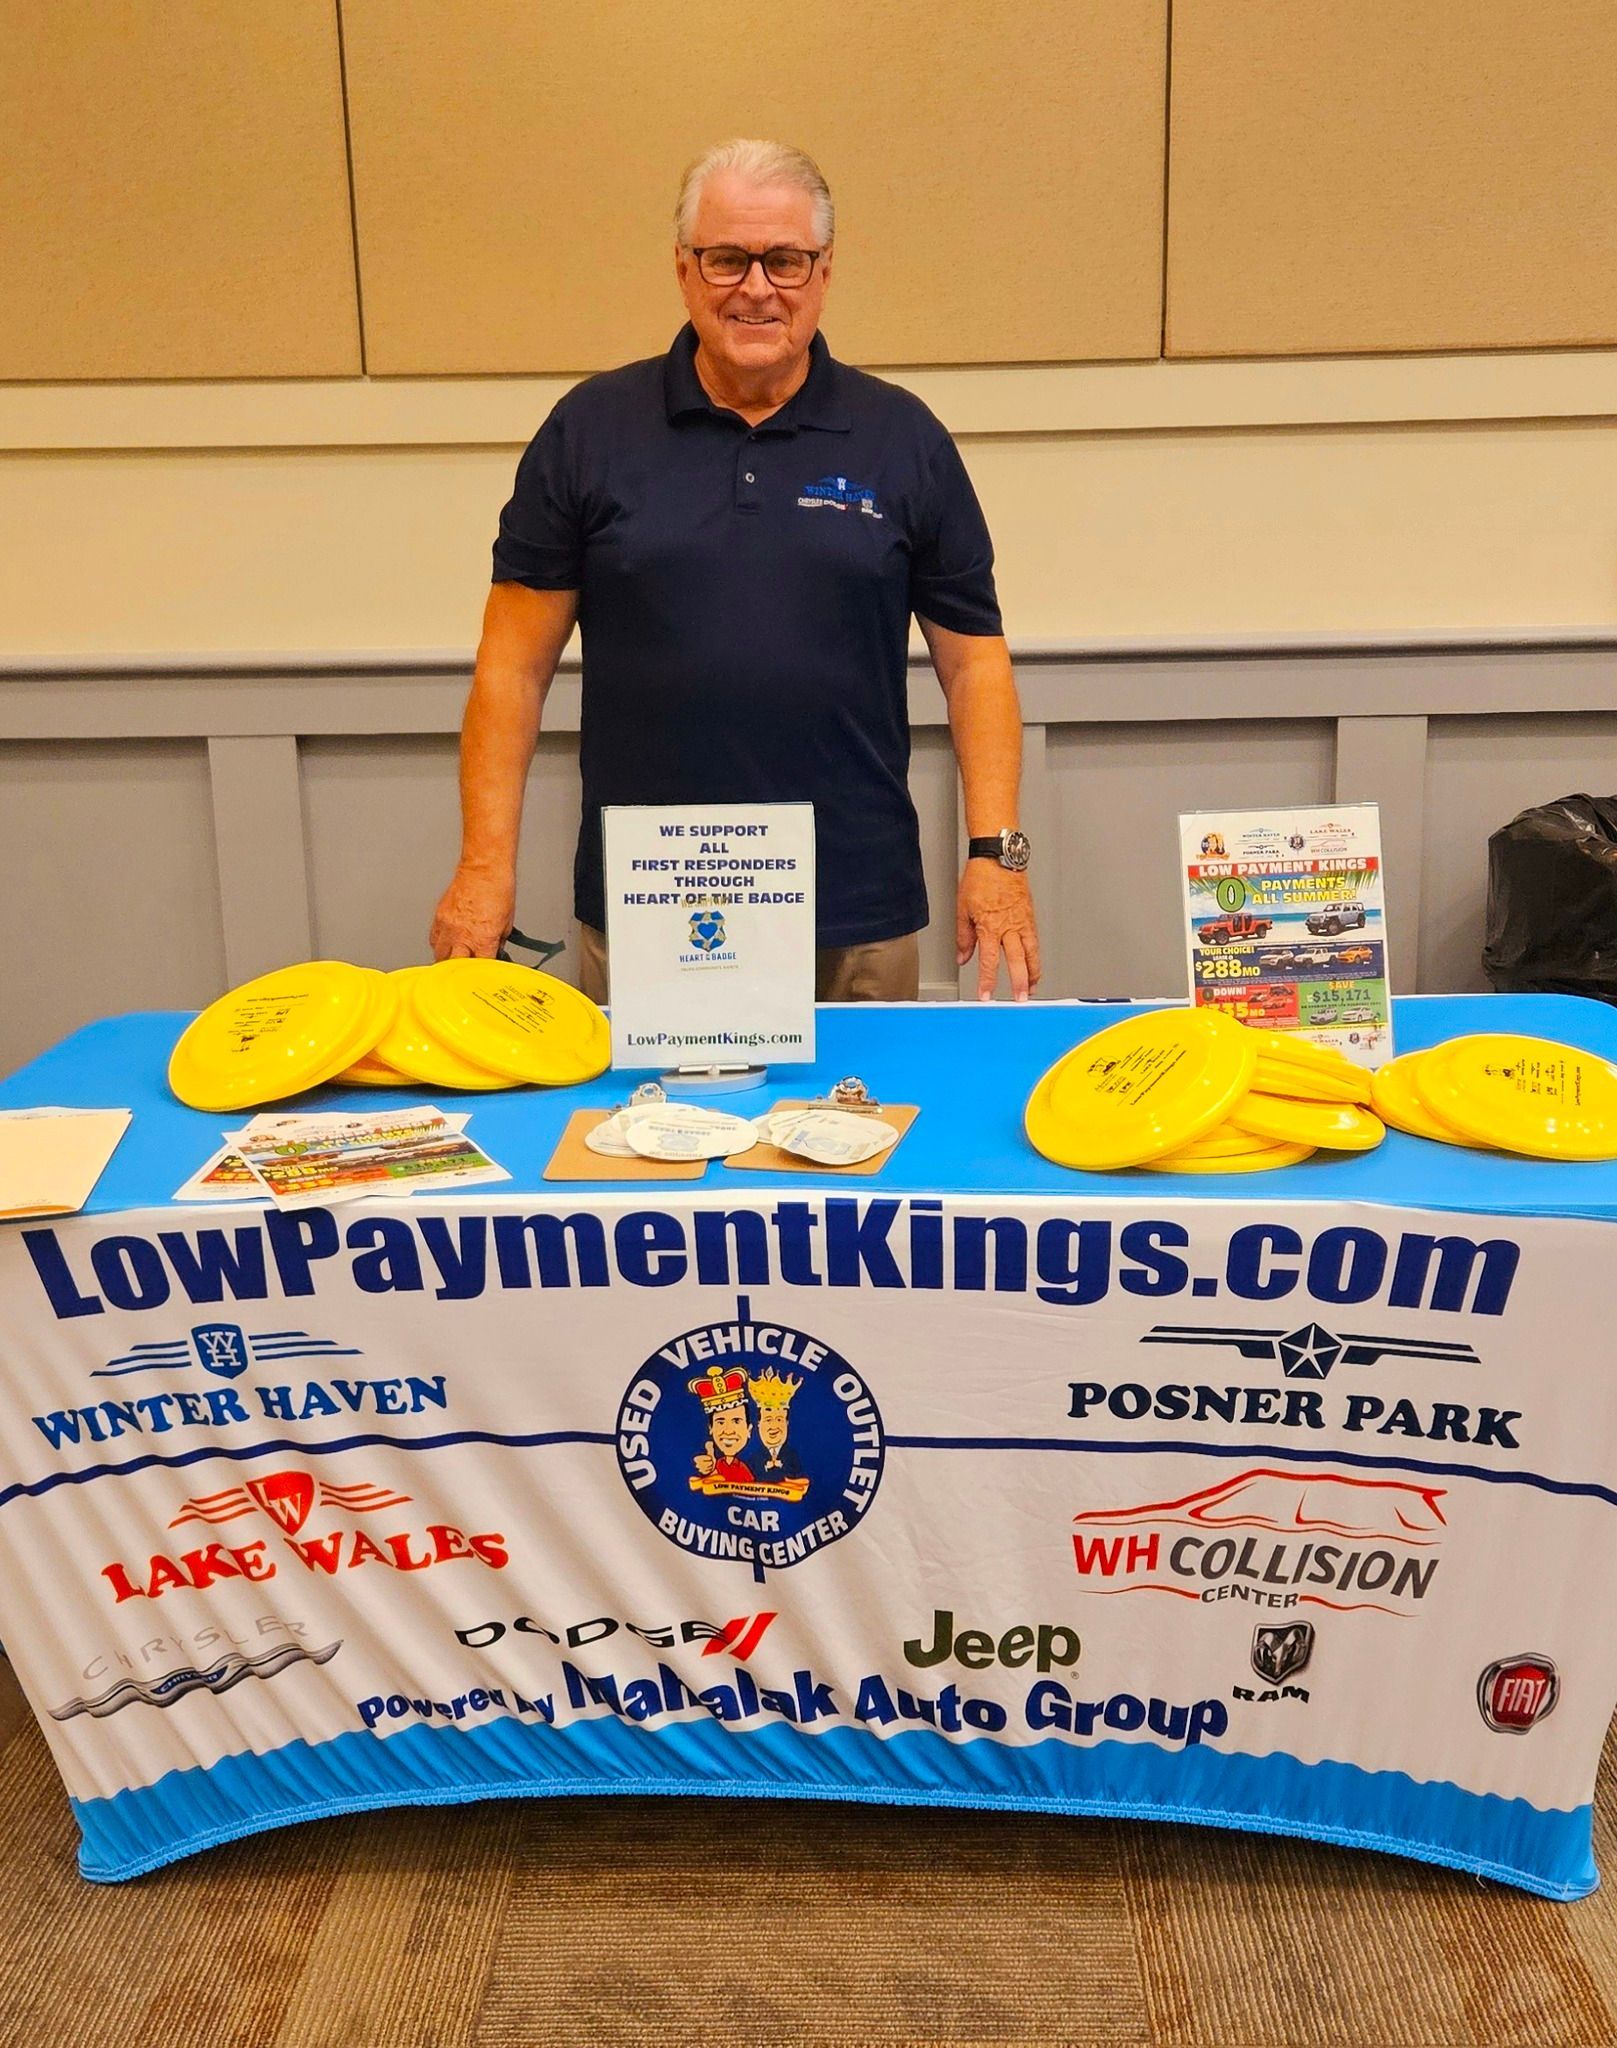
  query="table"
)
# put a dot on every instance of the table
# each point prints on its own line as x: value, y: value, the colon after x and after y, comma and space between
x: 1280, y: 1503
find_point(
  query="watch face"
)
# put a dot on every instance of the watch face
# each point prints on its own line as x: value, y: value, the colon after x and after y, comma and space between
x: 1015, y: 850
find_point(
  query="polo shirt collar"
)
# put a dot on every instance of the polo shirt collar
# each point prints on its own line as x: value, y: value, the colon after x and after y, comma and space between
x: 816, y: 403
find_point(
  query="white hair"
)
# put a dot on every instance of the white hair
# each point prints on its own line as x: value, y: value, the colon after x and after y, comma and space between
x: 760, y: 163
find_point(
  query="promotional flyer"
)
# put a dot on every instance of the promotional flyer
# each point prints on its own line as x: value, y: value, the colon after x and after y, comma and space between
x: 1286, y: 926
x: 710, y: 920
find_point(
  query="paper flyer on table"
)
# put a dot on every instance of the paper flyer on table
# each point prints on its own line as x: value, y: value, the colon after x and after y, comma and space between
x: 1285, y: 923
x: 304, y: 1162
x: 225, y: 1176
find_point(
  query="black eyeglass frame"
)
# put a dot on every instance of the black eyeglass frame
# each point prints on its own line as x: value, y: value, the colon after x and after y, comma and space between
x: 760, y: 257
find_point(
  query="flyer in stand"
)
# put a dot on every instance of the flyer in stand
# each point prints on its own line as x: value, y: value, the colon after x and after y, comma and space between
x: 710, y: 918
x: 1286, y: 923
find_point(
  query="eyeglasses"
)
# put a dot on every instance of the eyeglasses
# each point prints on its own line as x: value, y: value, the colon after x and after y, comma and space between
x: 787, y: 268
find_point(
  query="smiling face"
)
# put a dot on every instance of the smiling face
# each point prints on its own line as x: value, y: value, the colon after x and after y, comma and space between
x: 772, y: 1423
x: 753, y: 330
x: 729, y: 1428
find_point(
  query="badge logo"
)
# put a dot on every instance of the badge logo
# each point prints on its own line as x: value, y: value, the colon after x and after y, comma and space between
x: 838, y: 494
x: 224, y: 1349
x: 1311, y: 1353
x: 707, y: 928
x: 752, y: 1441
x: 288, y: 1498
x: 1516, y: 1692
x: 221, y: 1348
x: 1280, y: 1650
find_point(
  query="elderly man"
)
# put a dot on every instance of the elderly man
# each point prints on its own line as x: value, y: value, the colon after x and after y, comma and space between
x: 742, y: 529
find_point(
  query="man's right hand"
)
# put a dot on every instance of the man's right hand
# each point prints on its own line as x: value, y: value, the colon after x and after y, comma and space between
x: 473, y: 916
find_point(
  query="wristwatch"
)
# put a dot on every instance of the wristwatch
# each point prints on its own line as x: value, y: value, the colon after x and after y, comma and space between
x: 1012, y: 850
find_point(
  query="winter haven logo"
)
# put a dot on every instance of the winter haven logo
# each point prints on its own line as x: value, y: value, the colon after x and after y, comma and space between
x: 837, y: 494
x: 752, y: 1441
x: 217, y: 1677
x: 223, y: 1349
x: 1322, y: 1540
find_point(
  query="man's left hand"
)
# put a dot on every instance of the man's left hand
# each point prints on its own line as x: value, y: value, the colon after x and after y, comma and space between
x: 994, y: 917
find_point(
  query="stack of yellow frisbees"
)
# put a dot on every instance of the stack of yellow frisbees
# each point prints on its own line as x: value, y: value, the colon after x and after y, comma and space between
x: 471, y: 1024
x: 1504, y: 1093
x: 1193, y: 1091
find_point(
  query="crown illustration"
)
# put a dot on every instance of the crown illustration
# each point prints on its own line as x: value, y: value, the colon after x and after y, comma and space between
x: 772, y: 1391
x: 719, y: 1386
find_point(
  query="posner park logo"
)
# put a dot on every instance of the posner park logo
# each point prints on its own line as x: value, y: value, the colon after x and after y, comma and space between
x: 1274, y: 1540
x: 289, y: 1499
x: 752, y: 1441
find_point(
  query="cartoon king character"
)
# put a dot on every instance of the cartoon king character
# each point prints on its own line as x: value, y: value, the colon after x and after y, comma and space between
x: 722, y: 1392
x: 774, y: 1398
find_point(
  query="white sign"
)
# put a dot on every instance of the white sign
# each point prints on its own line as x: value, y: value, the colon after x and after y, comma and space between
x: 1285, y: 923
x: 710, y: 920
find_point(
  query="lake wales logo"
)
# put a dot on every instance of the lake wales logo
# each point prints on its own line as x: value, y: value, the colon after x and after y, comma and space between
x: 750, y: 1441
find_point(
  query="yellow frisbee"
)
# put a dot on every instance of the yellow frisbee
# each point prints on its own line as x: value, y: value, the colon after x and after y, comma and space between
x: 513, y: 1021
x: 278, y: 1035
x: 1223, y: 1142
x: 1525, y: 1095
x: 417, y: 1054
x: 1264, y: 1161
x: 1294, y: 1120
x: 1148, y: 1085
x: 370, y: 1072
x: 1287, y: 1045
x: 1293, y: 1079
x: 1397, y: 1101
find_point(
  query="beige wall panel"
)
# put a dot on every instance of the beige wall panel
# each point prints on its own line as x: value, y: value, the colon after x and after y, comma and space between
x: 1116, y: 795
x: 1385, y: 530
x: 934, y: 787
x: 997, y: 168
x: 176, y: 194
x: 111, y: 901
x: 382, y: 828
x: 1479, y: 773
x: 1391, y: 176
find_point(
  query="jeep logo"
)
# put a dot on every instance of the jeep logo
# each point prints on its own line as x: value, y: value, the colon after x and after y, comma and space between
x: 1049, y: 1646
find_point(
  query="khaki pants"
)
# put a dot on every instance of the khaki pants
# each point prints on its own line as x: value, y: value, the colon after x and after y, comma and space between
x: 887, y: 971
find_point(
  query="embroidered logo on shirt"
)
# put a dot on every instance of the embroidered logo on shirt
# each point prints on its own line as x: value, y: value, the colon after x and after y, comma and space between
x: 837, y: 494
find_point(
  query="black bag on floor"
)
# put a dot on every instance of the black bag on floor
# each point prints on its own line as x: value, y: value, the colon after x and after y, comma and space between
x: 1552, y: 900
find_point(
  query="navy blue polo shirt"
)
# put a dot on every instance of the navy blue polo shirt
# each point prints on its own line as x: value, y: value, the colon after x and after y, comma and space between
x: 744, y: 604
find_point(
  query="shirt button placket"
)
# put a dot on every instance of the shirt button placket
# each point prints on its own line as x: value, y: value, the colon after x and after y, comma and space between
x: 748, y: 496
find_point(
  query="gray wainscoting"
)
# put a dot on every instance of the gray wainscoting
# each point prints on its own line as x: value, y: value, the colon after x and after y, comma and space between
x: 169, y: 827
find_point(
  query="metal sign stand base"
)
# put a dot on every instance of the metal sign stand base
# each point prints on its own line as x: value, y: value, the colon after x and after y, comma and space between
x: 716, y: 1080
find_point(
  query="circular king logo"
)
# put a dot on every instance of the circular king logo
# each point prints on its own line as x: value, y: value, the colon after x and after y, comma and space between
x: 752, y: 1441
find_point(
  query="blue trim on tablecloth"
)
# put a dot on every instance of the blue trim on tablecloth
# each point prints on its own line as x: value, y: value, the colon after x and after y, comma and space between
x: 970, y: 1066
x: 131, y: 1832
x: 273, y: 1447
